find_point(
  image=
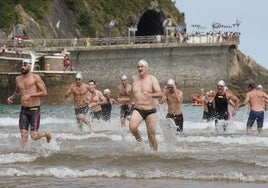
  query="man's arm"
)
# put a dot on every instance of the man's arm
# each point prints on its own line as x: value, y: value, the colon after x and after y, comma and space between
x: 68, y: 92
x: 163, y: 99
x: 157, y: 89
x: 102, y: 98
x: 10, y: 99
x: 41, y: 87
x: 245, y: 101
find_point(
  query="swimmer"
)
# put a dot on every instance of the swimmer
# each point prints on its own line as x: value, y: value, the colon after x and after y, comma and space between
x: 145, y: 90
x: 30, y: 87
x: 124, y: 98
x: 174, y: 99
x: 79, y: 91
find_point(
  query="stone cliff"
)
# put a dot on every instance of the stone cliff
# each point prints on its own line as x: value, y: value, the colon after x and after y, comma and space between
x: 244, y: 70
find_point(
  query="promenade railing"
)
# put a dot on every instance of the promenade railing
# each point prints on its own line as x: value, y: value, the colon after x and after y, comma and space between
x: 119, y: 41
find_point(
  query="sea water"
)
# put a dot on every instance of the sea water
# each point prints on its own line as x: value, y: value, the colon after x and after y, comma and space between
x: 198, y: 157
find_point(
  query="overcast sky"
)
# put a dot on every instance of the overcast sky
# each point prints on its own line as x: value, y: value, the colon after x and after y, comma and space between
x: 252, y: 14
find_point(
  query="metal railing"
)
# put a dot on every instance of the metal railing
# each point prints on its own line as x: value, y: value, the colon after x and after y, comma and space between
x: 119, y: 41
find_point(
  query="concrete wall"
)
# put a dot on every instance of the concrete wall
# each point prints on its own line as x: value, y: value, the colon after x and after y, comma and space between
x: 57, y: 84
x: 192, y: 67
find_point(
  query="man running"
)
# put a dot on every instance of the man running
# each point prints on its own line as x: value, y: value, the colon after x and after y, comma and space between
x: 124, y: 90
x: 30, y: 87
x: 79, y: 91
x: 174, y: 99
x: 145, y: 90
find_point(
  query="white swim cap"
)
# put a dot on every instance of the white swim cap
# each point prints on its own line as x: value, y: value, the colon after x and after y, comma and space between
x: 26, y: 61
x: 124, y: 77
x: 259, y: 87
x: 106, y: 91
x: 78, y: 76
x: 143, y: 62
x: 170, y: 82
x: 221, y: 83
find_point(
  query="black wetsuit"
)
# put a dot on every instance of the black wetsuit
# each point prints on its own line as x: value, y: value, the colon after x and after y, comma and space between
x: 211, y: 111
x: 221, y: 109
x: 106, y: 110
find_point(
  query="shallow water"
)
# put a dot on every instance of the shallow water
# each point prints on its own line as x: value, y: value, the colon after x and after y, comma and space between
x: 105, y: 158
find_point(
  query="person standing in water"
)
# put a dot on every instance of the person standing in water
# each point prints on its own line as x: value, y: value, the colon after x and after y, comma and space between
x: 95, y: 99
x: 124, y: 99
x: 145, y: 91
x: 222, y: 99
x: 256, y: 99
x: 79, y: 91
x: 174, y: 99
x: 30, y: 87
x: 106, y: 109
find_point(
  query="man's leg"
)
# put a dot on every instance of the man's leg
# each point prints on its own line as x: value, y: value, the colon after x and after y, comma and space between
x: 36, y: 135
x: 24, y: 137
x: 249, y: 129
x: 134, y: 123
x: 151, y: 129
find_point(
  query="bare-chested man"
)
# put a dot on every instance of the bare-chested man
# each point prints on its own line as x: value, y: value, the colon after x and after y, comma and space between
x: 95, y: 99
x: 124, y: 90
x: 256, y: 99
x: 29, y: 87
x: 79, y: 91
x: 174, y: 99
x: 145, y: 90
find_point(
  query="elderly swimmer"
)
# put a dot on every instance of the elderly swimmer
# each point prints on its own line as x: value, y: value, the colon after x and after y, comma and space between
x: 145, y: 89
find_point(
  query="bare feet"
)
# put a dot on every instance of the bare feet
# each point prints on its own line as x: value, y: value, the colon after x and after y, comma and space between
x: 89, y: 126
x: 48, y: 136
x: 138, y: 146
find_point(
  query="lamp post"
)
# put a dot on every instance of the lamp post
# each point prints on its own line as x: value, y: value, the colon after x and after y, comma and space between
x: 130, y: 30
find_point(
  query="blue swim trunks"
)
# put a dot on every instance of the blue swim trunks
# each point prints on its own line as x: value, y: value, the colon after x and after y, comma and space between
x: 258, y: 116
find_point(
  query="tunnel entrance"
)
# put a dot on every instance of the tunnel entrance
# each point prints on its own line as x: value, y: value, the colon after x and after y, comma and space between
x: 151, y: 23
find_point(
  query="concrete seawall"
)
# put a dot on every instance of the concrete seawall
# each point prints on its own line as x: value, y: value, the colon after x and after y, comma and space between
x: 192, y: 67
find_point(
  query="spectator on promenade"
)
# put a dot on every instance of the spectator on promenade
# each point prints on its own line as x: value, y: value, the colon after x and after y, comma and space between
x: 88, y: 41
x: 67, y: 65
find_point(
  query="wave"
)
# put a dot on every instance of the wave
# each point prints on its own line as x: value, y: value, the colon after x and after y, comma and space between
x: 65, y: 172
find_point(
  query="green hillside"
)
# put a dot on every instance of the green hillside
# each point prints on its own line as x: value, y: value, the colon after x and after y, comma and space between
x: 92, y: 17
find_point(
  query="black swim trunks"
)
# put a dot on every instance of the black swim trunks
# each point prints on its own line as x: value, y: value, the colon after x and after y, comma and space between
x: 178, y: 119
x: 81, y: 110
x: 145, y: 113
x: 125, y: 111
x: 29, y: 116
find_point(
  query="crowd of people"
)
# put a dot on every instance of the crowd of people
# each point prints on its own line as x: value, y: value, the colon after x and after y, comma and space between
x: 137, y: 101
